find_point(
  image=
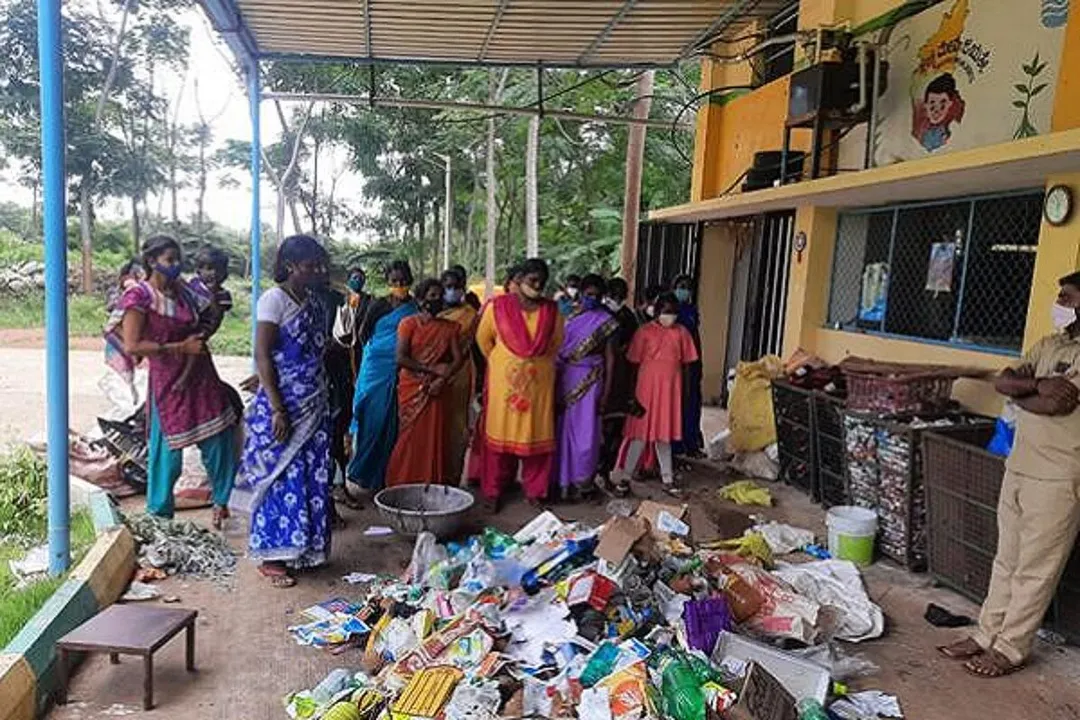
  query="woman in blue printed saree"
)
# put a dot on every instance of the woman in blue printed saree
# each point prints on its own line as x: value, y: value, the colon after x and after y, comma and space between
x: 584, y: 368
x: 286, y: 462
x: 375, y: 415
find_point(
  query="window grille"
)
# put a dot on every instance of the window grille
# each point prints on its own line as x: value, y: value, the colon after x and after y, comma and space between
x: 956, y: 272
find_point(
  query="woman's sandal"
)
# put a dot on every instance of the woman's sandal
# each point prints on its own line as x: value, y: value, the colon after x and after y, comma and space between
x: 279, y: 577
x: 961, y: 650
x: 991, y: 664
x: 672, y: 489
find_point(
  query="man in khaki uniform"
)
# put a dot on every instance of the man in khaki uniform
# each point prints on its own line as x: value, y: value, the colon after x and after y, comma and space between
x: 1039, y: 507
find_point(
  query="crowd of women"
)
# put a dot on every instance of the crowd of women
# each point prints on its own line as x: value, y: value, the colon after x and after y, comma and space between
x: 574, y: 394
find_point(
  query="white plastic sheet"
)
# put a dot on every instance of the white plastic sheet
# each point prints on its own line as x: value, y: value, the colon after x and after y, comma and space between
x: 837, y: 586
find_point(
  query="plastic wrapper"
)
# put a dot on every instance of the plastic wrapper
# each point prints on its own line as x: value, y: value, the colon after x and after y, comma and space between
x: 426, y: 553
x: 470, y: 701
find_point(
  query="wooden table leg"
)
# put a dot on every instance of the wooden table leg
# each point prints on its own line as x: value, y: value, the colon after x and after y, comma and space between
x: 191, y: 646
x: 148, y: 682
x: 62, y: 676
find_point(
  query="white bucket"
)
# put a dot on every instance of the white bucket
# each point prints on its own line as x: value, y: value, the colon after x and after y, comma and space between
x: 851, y: 533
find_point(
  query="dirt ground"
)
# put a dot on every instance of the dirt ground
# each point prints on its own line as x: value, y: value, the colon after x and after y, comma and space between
x: 247, y: 662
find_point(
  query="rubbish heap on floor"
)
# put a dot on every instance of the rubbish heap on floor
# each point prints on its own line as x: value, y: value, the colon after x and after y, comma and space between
x: 628, y: 621
x: 179, y: 547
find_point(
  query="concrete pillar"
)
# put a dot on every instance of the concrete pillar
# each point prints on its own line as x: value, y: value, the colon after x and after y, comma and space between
x: 714, y: 303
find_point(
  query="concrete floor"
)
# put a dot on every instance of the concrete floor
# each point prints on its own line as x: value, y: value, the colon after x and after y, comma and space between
x: 247, y: 662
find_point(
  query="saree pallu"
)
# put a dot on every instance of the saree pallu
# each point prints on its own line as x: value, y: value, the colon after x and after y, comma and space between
x: 418, y: 455
x: 374, y: 416
x: 289, y: 483
x: 459, y: 392
x: 580, y: 389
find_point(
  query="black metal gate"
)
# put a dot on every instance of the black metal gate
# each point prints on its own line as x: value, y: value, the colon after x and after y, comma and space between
x: 759, y: 301
x: 665, y: 251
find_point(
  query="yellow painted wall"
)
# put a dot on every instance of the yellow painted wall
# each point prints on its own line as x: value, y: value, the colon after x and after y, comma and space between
x: 1059, y: 254
x: 718, y: 244
x: 1067, y: 98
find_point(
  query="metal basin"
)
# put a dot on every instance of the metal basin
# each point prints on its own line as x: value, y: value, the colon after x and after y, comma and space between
x: 412, y: 509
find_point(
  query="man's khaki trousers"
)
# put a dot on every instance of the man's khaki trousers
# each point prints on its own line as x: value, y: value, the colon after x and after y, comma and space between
x: 1037, y: 527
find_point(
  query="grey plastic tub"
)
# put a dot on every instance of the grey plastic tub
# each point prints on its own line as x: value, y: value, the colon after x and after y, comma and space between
x: 412, y: 509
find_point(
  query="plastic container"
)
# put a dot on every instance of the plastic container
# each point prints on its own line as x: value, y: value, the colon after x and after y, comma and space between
x: 851, y: 533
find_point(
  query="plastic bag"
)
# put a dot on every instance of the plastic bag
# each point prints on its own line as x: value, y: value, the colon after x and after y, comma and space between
x: 750, y: 412
x: 426, y: 553
x: 1004, y: 431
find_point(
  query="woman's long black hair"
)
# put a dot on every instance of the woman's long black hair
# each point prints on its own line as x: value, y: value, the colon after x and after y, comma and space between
x: 154, y: 247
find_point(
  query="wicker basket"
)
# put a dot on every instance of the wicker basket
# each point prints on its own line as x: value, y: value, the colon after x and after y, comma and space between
x: 898, y: 395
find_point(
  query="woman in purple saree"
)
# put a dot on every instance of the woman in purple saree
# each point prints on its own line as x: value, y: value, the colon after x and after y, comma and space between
x: 584, y: 372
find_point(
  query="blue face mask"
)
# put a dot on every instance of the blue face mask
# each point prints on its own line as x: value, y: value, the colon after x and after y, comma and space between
x: 590, y: 303
x: 171, y: 272
x: 682, y: 295
x: 453, y: 296
x: 356, y: 284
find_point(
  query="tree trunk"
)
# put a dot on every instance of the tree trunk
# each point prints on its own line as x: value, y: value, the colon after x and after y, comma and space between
x: 532, y: 230
x: 490, y: 180
x: 635, y: 155
x: 470, y: 221
x: 86, y: 213
x: 136, y: 224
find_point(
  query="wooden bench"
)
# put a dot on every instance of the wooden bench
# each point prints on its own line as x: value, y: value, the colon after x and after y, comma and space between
x: 127, y: 630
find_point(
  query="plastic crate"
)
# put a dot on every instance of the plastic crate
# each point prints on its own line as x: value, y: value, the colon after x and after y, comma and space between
x: 897, y: 395
x: 832, y: 489
x: 884, y: 469
x: 830, y: 454
x: 791, y: 403
x: 829, y: 415
x: 795, y: 439
x: 798, y: 473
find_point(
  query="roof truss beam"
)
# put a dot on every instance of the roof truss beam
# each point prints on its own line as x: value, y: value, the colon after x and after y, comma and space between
x: 627, y: 6
x: 492, y: 28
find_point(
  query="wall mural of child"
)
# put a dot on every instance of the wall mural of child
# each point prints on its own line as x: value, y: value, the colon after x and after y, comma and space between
x: 933, y: 114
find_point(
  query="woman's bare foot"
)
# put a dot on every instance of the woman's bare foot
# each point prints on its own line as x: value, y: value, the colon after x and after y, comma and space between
x: 991, y: 664
x: 277, y: 574
x: 961, y: 650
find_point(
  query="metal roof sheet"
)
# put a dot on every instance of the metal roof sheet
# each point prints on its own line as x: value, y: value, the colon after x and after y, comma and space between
x: 552, y: 33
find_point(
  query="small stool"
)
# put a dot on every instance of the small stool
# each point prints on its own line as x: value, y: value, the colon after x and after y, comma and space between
x: 128, y: 630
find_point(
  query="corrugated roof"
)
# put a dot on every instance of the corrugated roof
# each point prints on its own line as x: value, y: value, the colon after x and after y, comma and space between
x: 554, y: 33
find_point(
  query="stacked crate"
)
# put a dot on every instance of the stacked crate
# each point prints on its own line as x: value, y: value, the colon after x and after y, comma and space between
x: 793, y: 409
x: 828, y: 430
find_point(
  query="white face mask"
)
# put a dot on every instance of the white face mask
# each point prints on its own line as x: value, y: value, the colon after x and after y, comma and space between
x: 650, y: 311
x: 1062, y: 316
x: 668, y: 319
x: 571, y: 292
x: 612, y: 304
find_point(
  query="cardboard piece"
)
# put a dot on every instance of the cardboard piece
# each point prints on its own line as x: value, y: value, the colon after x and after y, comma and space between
x: 618, y: 537
x: 650, y: 510
x: 763, y: 698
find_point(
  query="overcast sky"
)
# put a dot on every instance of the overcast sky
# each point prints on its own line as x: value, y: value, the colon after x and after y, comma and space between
x: 220, y: 94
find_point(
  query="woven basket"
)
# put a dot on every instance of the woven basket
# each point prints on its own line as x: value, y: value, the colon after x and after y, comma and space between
x: 898, y: 395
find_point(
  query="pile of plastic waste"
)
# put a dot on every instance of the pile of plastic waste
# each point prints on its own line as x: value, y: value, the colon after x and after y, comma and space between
x: 622, y: 622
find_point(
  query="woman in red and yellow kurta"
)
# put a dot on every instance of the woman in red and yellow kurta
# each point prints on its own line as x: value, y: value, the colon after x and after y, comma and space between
x: 520, y: 335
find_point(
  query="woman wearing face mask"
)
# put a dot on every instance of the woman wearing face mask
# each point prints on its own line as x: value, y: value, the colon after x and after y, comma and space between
x: 520, y: 336
x: 620, y: 399
x: 188, y: 403
x: 428, y: 355
x: 459, y: 388
x: 660, y: 349
x: 351, y: 315
x: 286, y: 467
x: 584, y: 371
x: 374, y: 424
x: 692, y: 440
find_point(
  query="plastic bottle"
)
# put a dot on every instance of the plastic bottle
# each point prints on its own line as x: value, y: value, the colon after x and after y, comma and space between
x: 331, y: 685
x: 811, y: 709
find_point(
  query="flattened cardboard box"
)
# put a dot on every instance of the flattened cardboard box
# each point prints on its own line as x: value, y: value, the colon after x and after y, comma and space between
x: 763, y: 698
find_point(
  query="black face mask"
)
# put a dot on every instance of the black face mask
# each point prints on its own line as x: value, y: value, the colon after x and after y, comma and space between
x: 432, y: 307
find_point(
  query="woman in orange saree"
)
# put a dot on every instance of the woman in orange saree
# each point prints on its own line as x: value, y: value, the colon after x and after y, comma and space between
x: 428, y: 353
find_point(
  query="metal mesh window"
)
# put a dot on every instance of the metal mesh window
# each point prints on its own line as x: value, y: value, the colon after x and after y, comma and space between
x: 956, y: 272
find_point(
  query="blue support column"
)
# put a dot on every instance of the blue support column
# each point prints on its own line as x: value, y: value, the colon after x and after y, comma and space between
x: 50, y: 53
x: 254, y: 99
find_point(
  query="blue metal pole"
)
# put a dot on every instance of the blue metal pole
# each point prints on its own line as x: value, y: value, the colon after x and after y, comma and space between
x: 50, y: 53
x: 254, y: 98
